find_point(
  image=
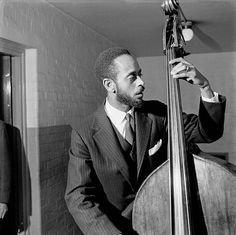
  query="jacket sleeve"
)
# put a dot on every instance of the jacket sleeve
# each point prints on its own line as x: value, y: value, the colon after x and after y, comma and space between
x: 5, y: 173
x: 83, y: 193
x: 208, y: 126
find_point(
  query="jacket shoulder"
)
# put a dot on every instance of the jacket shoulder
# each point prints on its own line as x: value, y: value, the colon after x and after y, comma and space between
x: 154, y: 107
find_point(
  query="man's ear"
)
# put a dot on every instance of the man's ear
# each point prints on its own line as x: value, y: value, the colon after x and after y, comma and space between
x: 109, y: 84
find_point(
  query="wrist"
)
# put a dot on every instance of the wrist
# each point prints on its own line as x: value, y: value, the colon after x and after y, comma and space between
x: 206, y: 91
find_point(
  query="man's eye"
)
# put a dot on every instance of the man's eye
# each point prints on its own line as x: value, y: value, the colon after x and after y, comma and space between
x: 132, y: 78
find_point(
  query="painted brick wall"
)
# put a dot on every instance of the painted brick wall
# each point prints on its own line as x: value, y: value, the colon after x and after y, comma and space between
x: 60, y: 89
x: 54, y: 146
x: 66, y: 51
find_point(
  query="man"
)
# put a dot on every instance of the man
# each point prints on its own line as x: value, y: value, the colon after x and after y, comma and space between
x: 111, y: 155
x: 5, y: 175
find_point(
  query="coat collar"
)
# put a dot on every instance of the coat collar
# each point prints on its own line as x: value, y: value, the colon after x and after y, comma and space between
x: 143, y: 128
x: 106, y: 138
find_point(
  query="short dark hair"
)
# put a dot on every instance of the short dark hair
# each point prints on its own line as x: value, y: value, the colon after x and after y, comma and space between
x: 104, y: 67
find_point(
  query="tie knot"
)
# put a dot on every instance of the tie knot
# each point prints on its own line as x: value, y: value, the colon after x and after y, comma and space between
x: 128, y: 117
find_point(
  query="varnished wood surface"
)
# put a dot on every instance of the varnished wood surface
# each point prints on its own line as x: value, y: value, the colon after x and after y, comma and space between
x: 216, y: 185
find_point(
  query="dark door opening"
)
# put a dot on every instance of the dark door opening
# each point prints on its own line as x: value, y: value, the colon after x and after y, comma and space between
x: 6, y: 88
x: 16, y: 219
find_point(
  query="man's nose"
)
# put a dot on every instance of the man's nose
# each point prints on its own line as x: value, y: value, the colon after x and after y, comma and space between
x: 140, y: 81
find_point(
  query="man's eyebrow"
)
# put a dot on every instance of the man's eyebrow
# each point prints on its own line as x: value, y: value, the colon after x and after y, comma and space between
x: 131, y: 73
x: 134, y: 73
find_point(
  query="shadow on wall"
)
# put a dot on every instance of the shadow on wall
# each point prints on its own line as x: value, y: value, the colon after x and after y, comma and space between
x: 20, y: 205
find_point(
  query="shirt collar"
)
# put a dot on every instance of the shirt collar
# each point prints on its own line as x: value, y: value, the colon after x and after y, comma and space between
x: 116, y: 115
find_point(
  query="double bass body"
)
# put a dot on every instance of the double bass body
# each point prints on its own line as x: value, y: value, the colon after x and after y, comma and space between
x: 215, y: 199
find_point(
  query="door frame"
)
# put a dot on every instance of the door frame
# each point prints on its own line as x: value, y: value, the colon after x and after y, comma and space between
x: 21, y: 75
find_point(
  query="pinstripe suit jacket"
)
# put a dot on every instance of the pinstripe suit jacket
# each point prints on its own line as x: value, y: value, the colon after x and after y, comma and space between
x: 100, y: 188
x: 5, y: 174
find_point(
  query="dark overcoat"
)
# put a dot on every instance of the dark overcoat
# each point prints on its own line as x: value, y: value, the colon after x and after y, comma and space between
x: 5, y: 174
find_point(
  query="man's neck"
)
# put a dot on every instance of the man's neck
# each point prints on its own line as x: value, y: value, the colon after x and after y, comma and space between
x: 118, y: 105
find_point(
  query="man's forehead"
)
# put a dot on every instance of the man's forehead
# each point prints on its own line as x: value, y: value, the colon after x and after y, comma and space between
x: 126, y: 62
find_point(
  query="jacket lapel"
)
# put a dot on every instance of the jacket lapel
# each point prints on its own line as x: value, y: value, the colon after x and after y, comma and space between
x: 107, y: 141
x: 143, y: 128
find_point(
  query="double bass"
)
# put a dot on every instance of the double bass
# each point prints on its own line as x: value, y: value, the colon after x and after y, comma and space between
x: 187, y: 194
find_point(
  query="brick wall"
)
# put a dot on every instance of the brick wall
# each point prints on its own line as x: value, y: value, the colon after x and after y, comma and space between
x: 60, y: 89
x: 66, y: 51
x: 54, y: 144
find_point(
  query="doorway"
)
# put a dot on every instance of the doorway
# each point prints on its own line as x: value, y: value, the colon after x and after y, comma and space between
x: 6, y: 88
x: 12, y: 112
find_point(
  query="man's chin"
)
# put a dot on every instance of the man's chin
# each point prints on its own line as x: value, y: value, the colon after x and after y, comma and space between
x: 138, y: 103
x: 123, y: 99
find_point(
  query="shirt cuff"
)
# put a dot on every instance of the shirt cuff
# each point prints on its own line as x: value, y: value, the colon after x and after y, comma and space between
x: 214, y: 99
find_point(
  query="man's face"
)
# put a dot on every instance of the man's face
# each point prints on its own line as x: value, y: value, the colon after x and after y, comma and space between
x: 128, y: 81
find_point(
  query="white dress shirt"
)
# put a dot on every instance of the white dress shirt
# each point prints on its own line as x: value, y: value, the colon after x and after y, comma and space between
x: 214, y: 99
x: 117, y: 117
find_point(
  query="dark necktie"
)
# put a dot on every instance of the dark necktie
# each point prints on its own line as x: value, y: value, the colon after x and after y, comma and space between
x: 129, y: 128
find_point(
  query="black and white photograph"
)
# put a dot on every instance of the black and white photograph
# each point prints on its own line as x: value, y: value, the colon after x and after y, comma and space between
x: 117, y: 117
